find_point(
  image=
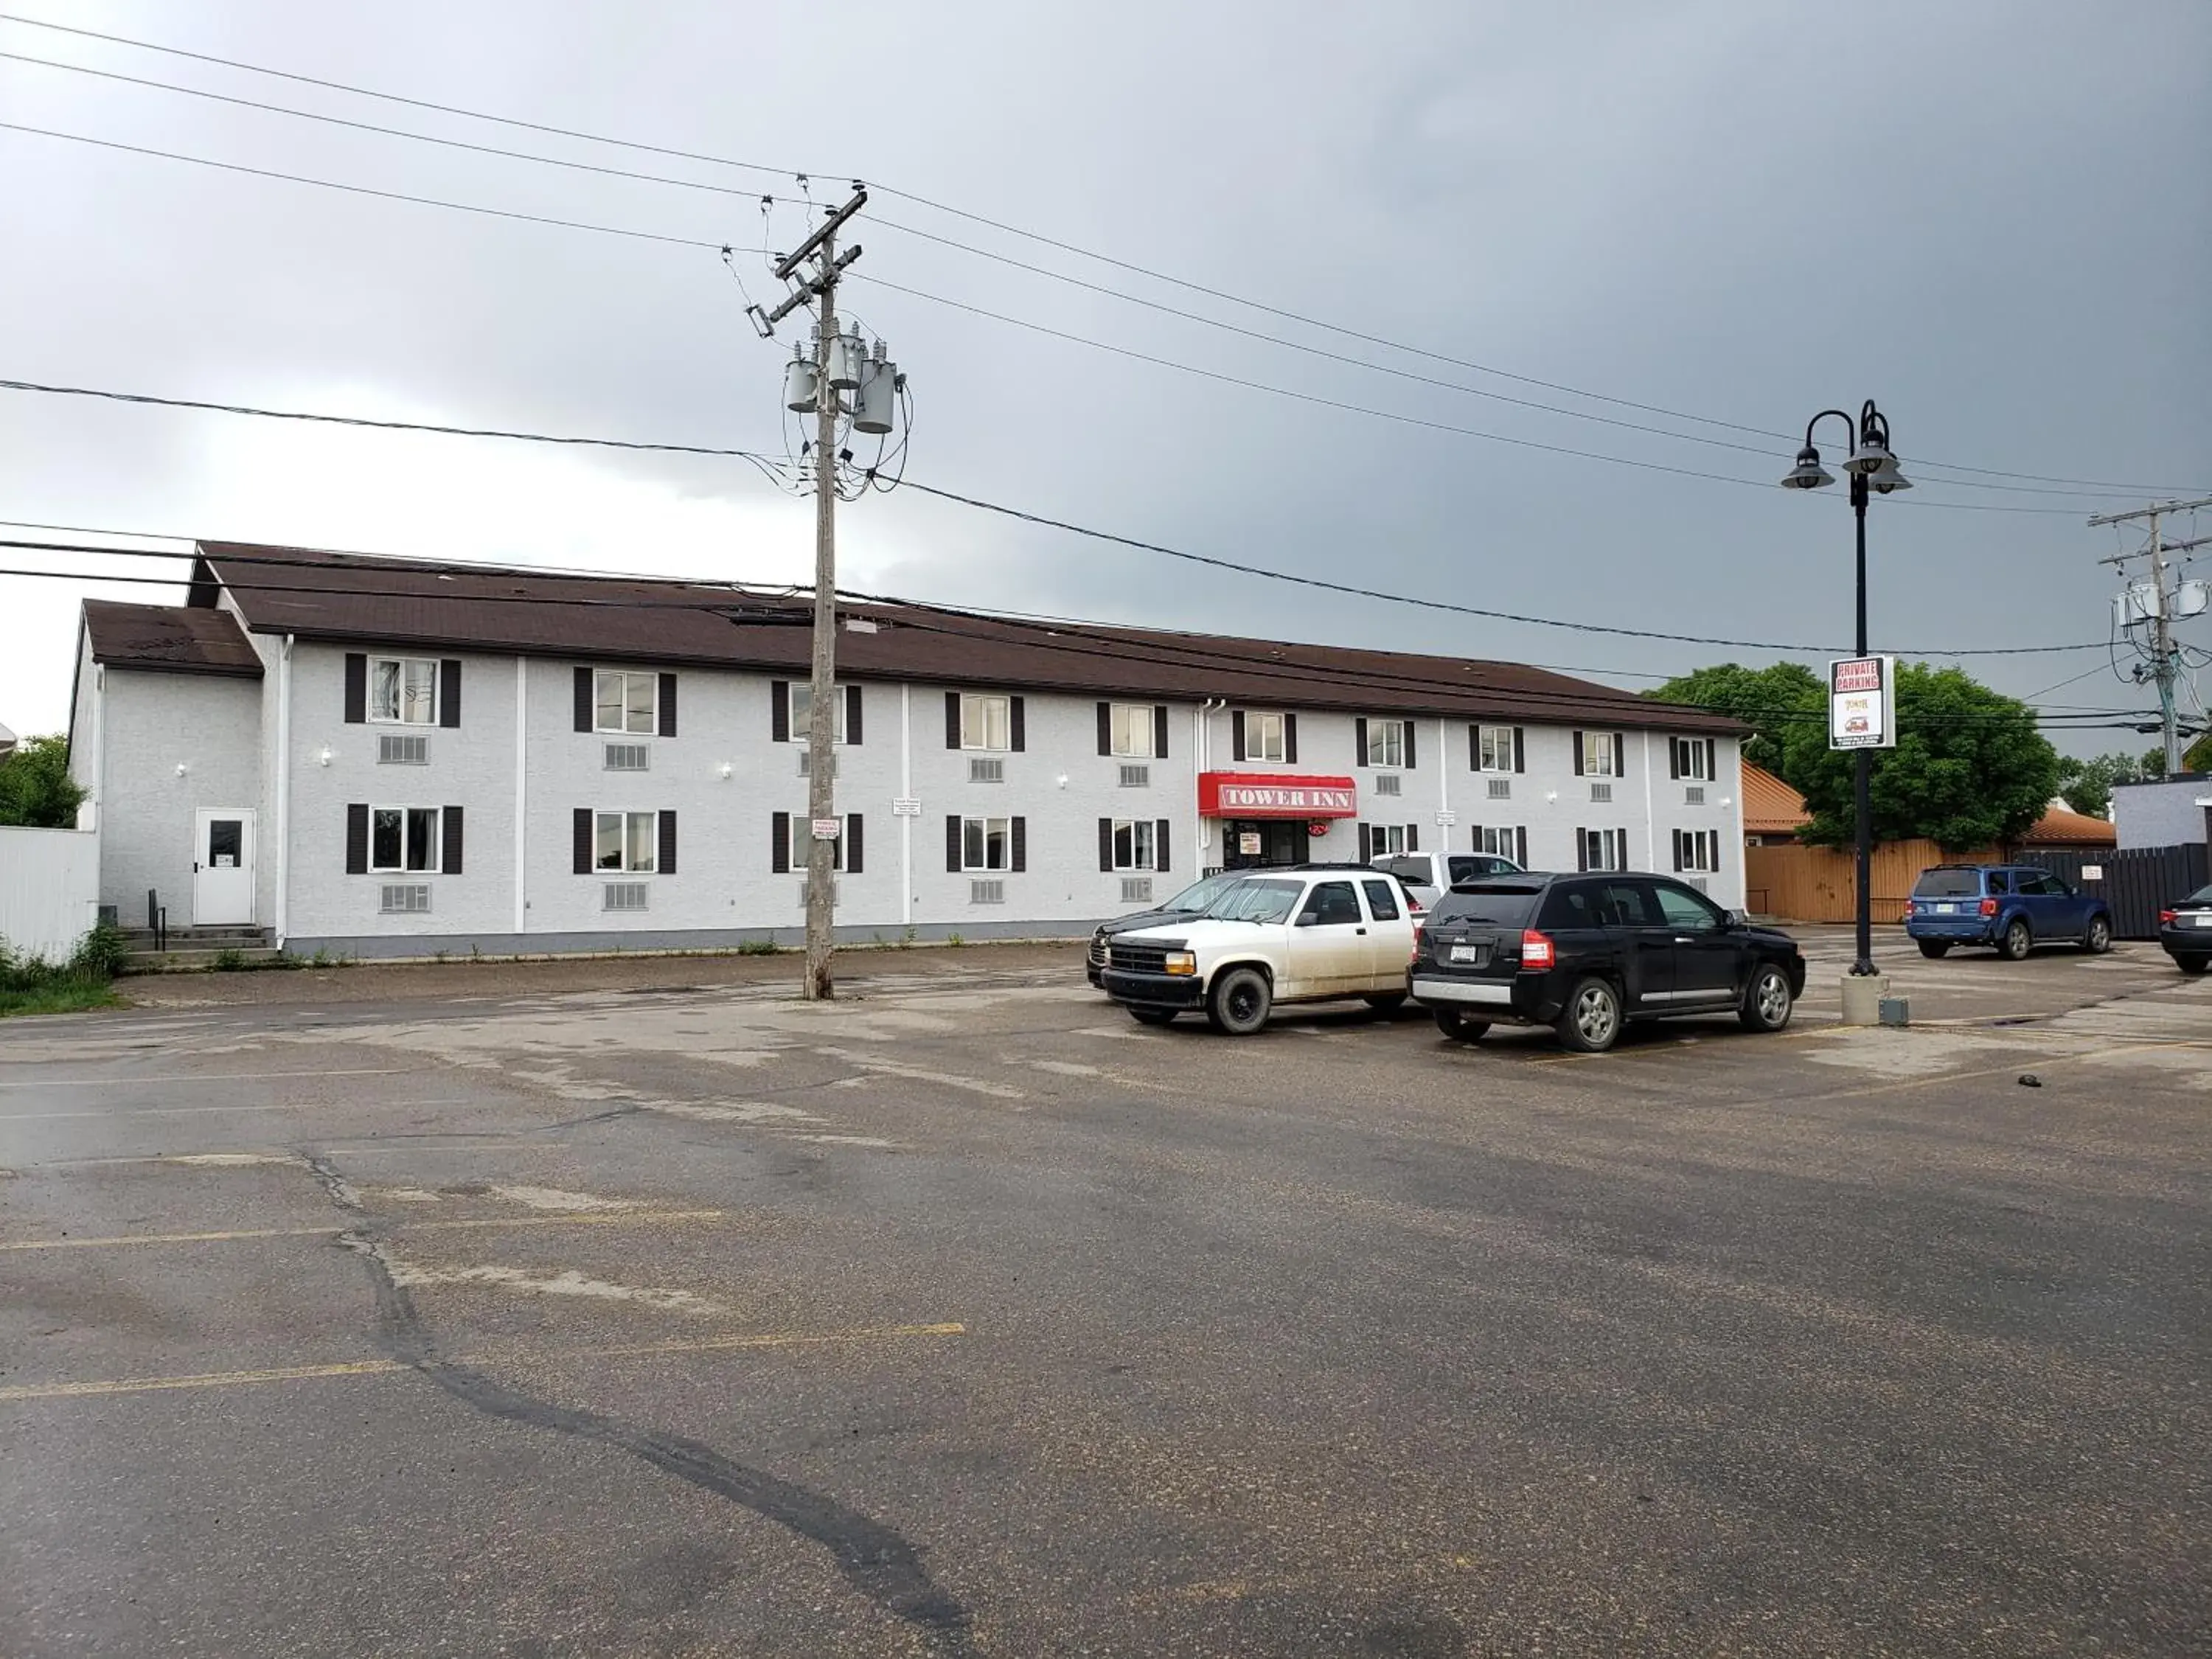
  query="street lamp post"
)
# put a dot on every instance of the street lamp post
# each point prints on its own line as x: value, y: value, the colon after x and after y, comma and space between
x: 1873, y: 468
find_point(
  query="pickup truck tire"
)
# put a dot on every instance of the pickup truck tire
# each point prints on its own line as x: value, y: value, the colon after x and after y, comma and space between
x: 1239, y: 1002
x: 1934, y: 948
x: 1385, y: 1002
x: 1152, y: 1016
x: 1458, y: 1026
x: 1590, y: 1023
x: 1767, y: 1002
x: 2017, y: 941
x: 2099, y: 938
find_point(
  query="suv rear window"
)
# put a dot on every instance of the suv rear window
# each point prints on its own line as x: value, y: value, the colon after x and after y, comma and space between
x: 1489, y: 904
x: 1949, y: 883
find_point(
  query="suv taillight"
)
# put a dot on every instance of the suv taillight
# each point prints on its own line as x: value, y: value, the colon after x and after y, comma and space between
x: 1989, y: 907
x: 2168, y: 918
x: 1536, y: 949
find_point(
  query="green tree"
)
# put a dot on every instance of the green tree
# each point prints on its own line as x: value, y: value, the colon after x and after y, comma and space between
x: 35, y: 786
x: 1969, y: 770
x: 2087, y: 785
x: 2199, y: 757
x: 1770, y: 700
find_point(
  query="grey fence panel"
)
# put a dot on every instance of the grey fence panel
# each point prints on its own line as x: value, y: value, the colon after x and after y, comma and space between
x: 2137, y: 882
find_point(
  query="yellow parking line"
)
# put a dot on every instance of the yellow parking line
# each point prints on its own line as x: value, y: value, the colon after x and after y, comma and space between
x: 611, y: 1218
x: 386, y: 1367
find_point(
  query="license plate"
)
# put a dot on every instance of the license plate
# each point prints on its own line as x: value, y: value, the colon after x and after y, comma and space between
x: 1479, y: 954
x: 2204, y: 921
x: 1947, y: 910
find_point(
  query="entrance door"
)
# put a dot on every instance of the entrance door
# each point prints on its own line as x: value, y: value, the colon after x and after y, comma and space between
x: 1253, y: 842
x: 223, y: 866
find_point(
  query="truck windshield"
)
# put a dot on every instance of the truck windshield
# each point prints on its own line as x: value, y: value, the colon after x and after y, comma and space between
x: 1257, y: 901
x: 1193, y: 899
x: 1949, y: 883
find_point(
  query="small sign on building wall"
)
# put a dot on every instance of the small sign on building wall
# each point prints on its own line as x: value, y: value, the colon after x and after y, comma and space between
x: 2093, y: 872
x: 1248, y: 843
x: 906, y: 807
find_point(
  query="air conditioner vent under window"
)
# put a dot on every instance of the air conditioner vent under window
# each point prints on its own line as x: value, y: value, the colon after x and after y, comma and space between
x: 985, y: 771
x: 1136, y: 890
x: 806, y: 763
x: 1600, y: 792
x: 1701, y: 883
x: 394, y: 748
x: 1389, y: 783
x: 986, y: 892
x: 1694, y: 795
x: 627, y: 757
x: 1136, y: 777
x: 404, y: 901
x: 834, y: 895
x: 623, y: 896
x: 1501, y: 789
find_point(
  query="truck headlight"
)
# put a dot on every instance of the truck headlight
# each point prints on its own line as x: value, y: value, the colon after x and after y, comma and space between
x: 1181, y: 962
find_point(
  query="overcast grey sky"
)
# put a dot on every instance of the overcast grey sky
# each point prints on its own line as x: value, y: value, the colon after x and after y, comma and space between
x: 1993, y: 217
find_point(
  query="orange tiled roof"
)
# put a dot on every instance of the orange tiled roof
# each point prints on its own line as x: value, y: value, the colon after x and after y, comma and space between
x: 2060, y: 827
x: 1772, y: 807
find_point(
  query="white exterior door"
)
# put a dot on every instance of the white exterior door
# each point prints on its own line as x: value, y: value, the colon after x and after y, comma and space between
x: 223, y: 866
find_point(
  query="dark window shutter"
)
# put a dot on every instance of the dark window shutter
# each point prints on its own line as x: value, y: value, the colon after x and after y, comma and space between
x: 449, y: 691
x: 1474, y: 748
x: 1018, y: 737
x: 1358, y: 742
x: 1410, y: 761
x: 1160, y: 841
x: 852, y: 716
x: 851, y: 843
x: 668, y: 705
x: 1021, y: 840
x: 583, y: 831
x: 1105, y: 840
x: 1576, y: 737
x: 1520, y: 750
x: 1412, y: 838
x: 1674, y: 762
x: 1712, y: 761
x: 1160, y: 734
x: 952, y: 843
x: 779, y: 711
x: 1678, y: 849
x: 357, y: 839
x: 1366, y: 841
x: 450, y: 827
x: 1105, y: 728
x: 778, y: 853
x: 952, y: 724
x: 1290, y: 738
x: 1474, y: 838
x: 1521, y: 843
x: 666, y: 862
x: 356, y: 688
x: 585, y: 698
x: 1620, y: 754
x: 1237, y: 735
x: 1581, y: 849
x: 1621, y: 846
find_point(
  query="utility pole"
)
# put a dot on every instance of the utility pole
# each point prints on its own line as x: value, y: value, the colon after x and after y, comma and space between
x: 2160, y: 605
x: 839, y: 384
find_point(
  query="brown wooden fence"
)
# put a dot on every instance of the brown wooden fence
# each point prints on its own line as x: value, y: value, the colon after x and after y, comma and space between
x: 1817, y: 884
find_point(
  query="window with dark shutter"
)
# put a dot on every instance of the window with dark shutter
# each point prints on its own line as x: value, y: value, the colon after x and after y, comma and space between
x: 779, y: 829
x: 1358, y: 742
x: 668, y: 705
x: 1021, y: 838
x: 1412, y: 838
x: 583, y: 831
x: 449, y: 691
x: 952, y: 843
x: 952, y: 724
x: 1105, y: 841
x: 779, y: 711
x: 667, y: 862
x: 356, y: 688
x: 1105, y: 728
x: 586, y: 699
x: 1016, y: 725
x: 357, y: 851
x: 1159, y: 730
x: 851, y: 843
x: 1366, y: 843
x: 1290, y: 738
x: 1237, y: 734
x: 852, y: 716
x: 1712, y: 760
x: 1675, y: 768
x: 1411, y: 762
x: 450, y: 858
x: 1620, y: 754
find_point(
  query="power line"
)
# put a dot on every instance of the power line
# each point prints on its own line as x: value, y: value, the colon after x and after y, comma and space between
x: 1926, y: 466
x: 1039, y: 518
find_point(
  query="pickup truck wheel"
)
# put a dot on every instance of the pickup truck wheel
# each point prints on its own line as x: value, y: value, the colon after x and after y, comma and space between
x: 1934, y: 948
x: 2017, y: 941
x: 1767, y: 1003
x: 1457, y: 1026
x: 1240, y: 1001
x: 2099, y: 938
x: 1385, y: 1002
x: 1591, y: 1022
x: 1152, y: 1016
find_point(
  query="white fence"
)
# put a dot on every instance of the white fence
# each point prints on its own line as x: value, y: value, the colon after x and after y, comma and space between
x: 49, y: 889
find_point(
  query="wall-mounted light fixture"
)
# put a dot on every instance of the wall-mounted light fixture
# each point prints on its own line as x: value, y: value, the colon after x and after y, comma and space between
x: 182, y: 769
x: 724, y: 769
x: 324, y: 757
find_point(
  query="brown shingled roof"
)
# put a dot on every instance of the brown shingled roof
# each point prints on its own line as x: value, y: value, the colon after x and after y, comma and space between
x: 618, y: 618
x: 176, y: 638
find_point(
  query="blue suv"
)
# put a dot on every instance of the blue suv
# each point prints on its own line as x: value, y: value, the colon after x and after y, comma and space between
x: 2013, y: 907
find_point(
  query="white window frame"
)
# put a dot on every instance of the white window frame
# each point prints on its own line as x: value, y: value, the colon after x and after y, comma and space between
x: 995, y: 715
x: 802, y: 842
x: 1605, y: 850
x: 1597, y: 755
x: 1690, y: 760
x: 1135, y: 845
x: 1265, y: 735
x: 1696, y: 850
x: 628, y: 820
x: 1005, y: 833
x: 1494, y: 743
x: 400, y: 713
x: 652, y: 727
x: 435, y: 851
x: 1386, y: 840
x: 1130, y: 729
x: 1384, y: 736
x: 1500, y: 841
x: 797, y: 714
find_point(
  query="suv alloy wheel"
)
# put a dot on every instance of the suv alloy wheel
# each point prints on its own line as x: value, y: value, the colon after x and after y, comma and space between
x: 1766, y: 1005
x: 2100, y: 936
x: 1591, y: 1021
x: 2017, y: 941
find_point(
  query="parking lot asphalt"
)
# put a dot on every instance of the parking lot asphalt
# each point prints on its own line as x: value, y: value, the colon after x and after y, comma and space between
x: 525, y: 1316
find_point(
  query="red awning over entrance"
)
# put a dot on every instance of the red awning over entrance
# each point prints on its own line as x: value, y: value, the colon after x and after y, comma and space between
x: 1275, y: 795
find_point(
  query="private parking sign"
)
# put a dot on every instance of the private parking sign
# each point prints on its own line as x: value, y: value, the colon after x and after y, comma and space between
x: 1863, y: 702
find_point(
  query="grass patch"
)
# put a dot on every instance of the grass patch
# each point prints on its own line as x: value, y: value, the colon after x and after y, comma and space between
x: 30, y: 985
x: 60, y: 997
x: 759, y: 947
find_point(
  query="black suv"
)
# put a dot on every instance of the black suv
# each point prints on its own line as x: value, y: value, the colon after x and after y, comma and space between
x: 1583, y: 953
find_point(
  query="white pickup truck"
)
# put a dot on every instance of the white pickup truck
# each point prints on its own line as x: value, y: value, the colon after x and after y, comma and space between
x: 1291, y: 937
x: 1428, y: 876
